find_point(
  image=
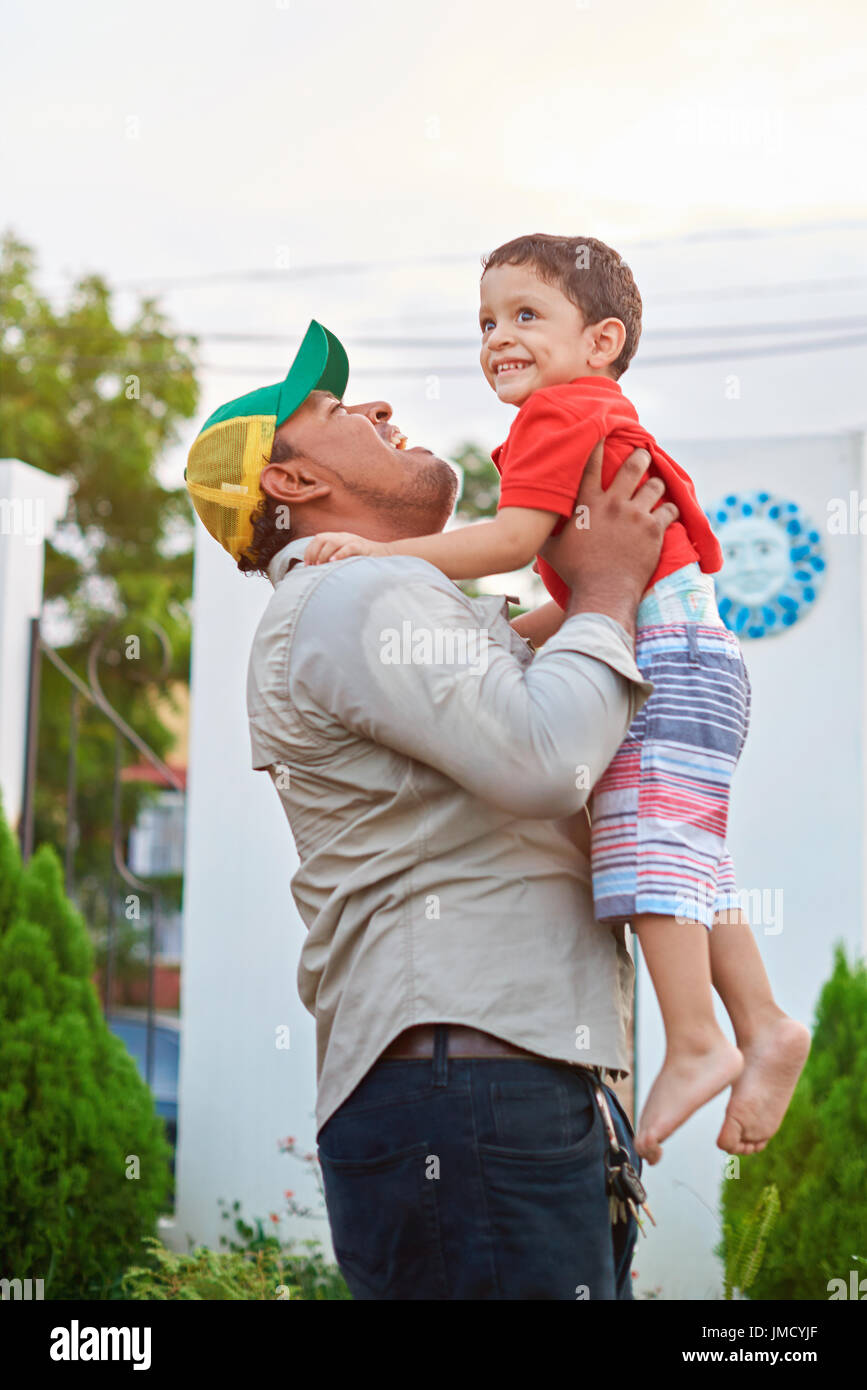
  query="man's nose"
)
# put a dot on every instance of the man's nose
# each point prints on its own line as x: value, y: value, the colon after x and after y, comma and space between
x: 377, y: 412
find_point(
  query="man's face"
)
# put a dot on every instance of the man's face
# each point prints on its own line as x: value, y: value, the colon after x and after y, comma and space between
x: 371, y: 475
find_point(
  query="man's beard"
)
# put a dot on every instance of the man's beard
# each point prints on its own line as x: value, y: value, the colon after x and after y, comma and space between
x: 423, y: 507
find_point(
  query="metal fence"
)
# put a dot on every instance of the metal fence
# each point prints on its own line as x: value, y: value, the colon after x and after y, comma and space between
x: 119, y: 871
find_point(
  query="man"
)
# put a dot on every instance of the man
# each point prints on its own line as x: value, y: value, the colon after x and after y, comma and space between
x: 431, y: 768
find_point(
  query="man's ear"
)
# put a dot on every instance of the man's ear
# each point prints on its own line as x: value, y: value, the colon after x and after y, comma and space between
x: 608, y: 336
x: 292, y: 481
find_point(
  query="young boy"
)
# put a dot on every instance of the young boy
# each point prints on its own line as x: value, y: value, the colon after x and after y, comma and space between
x: 560, y: 319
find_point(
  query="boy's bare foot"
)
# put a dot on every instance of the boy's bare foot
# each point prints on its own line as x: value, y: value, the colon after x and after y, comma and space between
x: 773, y: 1060
x: 688, y: 1080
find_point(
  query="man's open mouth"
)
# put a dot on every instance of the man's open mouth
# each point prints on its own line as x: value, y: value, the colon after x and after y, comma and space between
x: 395, y: 437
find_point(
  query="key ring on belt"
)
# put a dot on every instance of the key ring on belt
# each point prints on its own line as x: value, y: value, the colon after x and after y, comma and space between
x: 606, y: 1114
x: 625, y: 1188
x: 602, y: 1103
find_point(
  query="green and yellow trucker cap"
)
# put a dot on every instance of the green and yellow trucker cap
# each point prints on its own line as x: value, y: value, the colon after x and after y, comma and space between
x: 234, y: 443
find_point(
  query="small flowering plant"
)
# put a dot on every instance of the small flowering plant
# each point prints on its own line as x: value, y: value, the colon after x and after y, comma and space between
x: 311, y: 1162
x: 311, y: 1274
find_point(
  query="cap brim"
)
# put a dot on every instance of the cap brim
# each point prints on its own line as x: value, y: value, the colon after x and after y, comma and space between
x: 320, y: 364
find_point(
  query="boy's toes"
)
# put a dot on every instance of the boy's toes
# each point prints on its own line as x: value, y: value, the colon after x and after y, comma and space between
x: 747, y: 1146
x: 731, y: 1137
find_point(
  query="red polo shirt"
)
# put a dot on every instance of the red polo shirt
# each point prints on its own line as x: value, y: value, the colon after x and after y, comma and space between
x: 551, y: 439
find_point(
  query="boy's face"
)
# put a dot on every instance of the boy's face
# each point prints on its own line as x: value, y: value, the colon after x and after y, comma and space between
x: 532, y: 335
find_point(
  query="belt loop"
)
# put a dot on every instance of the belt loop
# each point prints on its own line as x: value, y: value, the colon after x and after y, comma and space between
x: 441, y: 1054
x: 692, y: 635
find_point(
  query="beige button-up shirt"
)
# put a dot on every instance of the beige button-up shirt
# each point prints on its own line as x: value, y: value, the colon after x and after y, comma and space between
x: 424, y: 757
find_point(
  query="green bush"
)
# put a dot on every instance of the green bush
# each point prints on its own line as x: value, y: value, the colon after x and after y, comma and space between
x: 256, y: 1267
x: 316, y: 1279
x: 817, y: 1161
x: 84, y: 1161
x: 207, y: 1275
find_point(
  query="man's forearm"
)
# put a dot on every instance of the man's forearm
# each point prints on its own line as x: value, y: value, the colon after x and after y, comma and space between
x: 608, y: 595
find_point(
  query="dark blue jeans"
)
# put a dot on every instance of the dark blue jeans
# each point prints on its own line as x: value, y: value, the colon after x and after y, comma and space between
x: 465, y: 1178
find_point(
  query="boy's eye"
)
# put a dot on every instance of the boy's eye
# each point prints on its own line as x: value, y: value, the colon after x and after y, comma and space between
x: 528, y: 312
x: 487, y: 325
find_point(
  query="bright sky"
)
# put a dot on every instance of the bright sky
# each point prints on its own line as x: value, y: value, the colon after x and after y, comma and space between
x: 193, y: 137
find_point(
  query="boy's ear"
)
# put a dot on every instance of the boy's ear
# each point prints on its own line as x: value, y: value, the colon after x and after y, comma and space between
x: 608, y: 338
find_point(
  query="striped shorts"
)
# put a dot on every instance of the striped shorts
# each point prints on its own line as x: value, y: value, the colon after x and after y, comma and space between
x: 659, y: 813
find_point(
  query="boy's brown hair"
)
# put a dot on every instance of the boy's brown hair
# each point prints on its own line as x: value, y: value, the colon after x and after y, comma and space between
x: 589, y: 273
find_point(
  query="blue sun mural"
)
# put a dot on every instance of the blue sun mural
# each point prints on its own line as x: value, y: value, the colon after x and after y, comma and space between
x: 773, y: 566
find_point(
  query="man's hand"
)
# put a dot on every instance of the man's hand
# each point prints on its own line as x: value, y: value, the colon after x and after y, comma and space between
x: 339, y: 545
x: 610, y: 549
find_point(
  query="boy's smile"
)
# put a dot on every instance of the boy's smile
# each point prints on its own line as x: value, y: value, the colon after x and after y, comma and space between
x: 534, y: 336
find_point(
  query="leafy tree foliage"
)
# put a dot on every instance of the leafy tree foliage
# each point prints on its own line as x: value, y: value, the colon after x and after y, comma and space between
x: 481, y: 484
x: 817, y: 1160
x: 84, y: 397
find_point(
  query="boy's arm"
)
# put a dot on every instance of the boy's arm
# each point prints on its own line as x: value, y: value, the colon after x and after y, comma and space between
x: 506, y: 543
x: 540, y: 623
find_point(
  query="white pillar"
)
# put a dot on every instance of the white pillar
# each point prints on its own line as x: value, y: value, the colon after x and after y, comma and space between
x: 862, y: 553
x: 239, y: 1093
x: 31, y: 503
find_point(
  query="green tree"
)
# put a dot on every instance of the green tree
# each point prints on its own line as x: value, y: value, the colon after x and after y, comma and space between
x: 479, y: 497
x: 818, y: 1160
x: 84, y: 397
x: 75, y: 1116
x: 481, y: 484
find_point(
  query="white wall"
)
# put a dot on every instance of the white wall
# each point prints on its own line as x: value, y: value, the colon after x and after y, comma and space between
x: 238, y: 1094
x: 797, y: 821
x: 31, y: 502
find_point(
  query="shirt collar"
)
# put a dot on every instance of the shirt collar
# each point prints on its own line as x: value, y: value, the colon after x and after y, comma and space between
x: 606, y: 382
x: 491, y: 605
x: 278, y: 568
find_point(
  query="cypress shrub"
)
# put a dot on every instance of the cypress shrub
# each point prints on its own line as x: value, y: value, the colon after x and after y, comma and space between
x: 84, y: 1161
x: 817, y: 1161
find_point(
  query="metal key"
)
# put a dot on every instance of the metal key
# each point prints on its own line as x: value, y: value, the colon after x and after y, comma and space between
x: 629, y: 1188
x: 625, y: 1189
x: 618, y: 1195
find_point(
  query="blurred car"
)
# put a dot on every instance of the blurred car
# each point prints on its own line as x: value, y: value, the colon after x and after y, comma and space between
x: 131, y: 1027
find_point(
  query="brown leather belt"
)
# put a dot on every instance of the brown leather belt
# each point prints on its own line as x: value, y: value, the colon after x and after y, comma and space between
x: 418, y: 1041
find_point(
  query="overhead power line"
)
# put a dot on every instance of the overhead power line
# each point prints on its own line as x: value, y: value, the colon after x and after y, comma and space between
x: 453, y: 370
x: 268, y: 274
x: 728, y: 330
x: 702, y: 294
x: 356, y: 267
x: 371, y: 340
x: 657, y: 360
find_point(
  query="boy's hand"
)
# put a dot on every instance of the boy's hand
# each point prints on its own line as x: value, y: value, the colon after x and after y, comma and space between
x: 338, y: 545
x: 609, y: 553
